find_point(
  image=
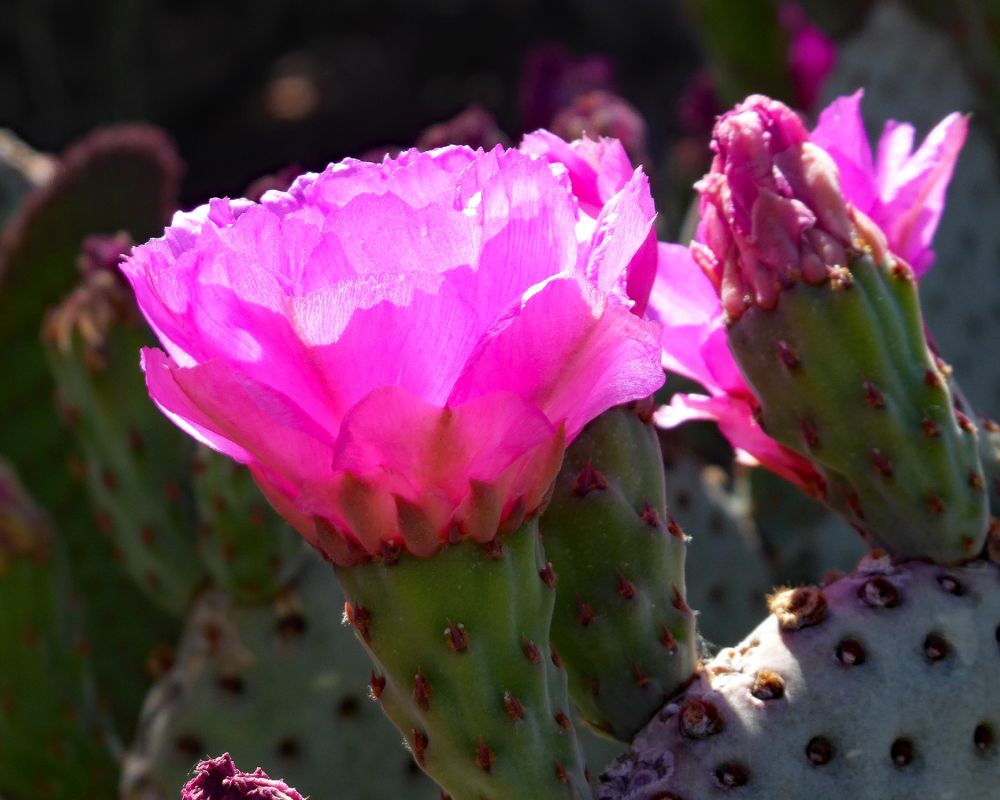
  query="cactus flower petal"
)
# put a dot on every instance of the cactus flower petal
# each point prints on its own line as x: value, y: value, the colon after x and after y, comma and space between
x: 901, y: 190
x: 400, y: 351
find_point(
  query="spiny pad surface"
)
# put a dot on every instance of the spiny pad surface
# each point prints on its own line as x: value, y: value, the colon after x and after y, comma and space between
x: 882, y: 684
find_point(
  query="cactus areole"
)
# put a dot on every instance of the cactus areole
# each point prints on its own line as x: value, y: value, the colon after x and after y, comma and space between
x: 401, y: 352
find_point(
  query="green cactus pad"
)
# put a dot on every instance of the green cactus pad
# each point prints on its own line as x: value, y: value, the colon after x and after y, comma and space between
x: 52, y: 743
x: 136, y: 464
x: 728, y: 575
x: 845, y: 377
x: 248, y: 549
x: 464, y: 668
x: 118, y: 178
x: 882, y: 684
x: 282, y: 685
x: 622, y: 624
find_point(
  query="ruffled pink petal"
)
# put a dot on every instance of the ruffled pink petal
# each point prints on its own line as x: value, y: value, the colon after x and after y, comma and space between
x: 245, y: 420
x: 735, y: 419
x: 841, y: 132
x: 687, y: 306
x: 411, y: 331
x: 598, y: 168
x: 407, y: 469
x: 912, y: 187
x: 623, y: 256
x: 568, y: 349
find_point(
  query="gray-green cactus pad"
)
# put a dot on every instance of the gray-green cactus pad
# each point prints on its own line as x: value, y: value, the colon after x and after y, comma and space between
x: 882, y: 684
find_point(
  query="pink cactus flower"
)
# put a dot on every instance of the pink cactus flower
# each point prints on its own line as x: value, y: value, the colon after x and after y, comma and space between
x: 401, y: 351
x: 812, y: 54
x: 767, y: 219
x: 219, y: 779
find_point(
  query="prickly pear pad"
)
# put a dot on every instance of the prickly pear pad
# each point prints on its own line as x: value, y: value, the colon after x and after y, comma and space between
x: 845, y: 377
x: 622, y: 624
x: 464, y: 668
x: 882, y: 684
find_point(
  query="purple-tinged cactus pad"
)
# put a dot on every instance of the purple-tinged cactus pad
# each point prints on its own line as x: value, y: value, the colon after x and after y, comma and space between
x: 881, y: 684
x: 220, y: 779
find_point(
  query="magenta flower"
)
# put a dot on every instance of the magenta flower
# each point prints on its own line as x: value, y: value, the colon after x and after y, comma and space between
x: 811, y: 56
x: 902, y: 191
x: 762, y: 214
x: 599, y: 169
x: 219, y: 779
x: 400, y: 351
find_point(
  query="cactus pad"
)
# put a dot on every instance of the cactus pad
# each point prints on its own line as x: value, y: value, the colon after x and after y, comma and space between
x: 880, y: 684
x: 283, y: 686
x: 622, y: 623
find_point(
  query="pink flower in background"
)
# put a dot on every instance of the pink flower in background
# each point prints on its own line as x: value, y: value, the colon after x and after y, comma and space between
x: 812, y: 54
x: 400, y: 351
x: 902, y: 192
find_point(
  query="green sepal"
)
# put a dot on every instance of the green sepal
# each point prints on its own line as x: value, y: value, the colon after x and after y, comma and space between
x: 845, y: 377
x: 622, y: 623
x: 465, y: 670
